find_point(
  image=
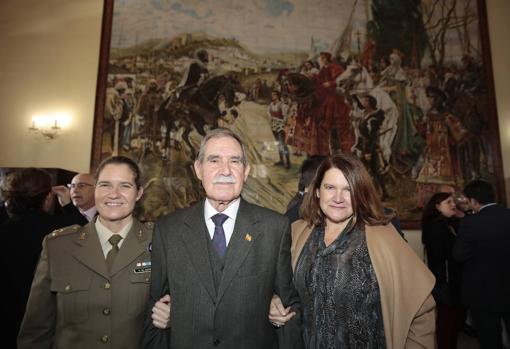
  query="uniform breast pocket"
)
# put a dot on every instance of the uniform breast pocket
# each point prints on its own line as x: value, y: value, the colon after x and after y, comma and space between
x: 138, y: 292
x: 73, y: 298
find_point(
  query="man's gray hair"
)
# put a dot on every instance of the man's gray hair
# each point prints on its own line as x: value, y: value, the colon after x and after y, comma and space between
x: 221, y: 132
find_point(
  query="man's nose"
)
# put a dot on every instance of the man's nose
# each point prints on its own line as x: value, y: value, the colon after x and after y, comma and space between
x: 225, y: 168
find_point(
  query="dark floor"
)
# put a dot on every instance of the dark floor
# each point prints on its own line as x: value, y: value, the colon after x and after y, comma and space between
x: 467, y: 342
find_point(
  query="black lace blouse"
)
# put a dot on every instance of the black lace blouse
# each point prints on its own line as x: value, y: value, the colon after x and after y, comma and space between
x: 339, y: 293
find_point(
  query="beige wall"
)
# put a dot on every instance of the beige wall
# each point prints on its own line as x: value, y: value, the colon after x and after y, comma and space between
x: 499, y: 31
x: 48, y: 60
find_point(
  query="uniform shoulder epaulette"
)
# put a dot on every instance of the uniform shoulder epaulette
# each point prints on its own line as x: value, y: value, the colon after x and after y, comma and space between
x: 64, y: 231
x: 149, y: 225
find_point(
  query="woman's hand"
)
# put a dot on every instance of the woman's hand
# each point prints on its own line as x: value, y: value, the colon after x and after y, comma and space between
x: 278, y: 314
x: 161, y: 313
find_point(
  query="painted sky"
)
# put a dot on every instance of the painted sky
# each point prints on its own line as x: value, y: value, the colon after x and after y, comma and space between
x: 260, y: 25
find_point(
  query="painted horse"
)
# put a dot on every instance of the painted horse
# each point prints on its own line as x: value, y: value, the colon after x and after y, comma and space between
x: 200, y: 108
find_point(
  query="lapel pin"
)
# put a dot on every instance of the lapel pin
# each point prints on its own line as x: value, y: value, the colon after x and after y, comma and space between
x: 247, y: 237
x: 83, y: 235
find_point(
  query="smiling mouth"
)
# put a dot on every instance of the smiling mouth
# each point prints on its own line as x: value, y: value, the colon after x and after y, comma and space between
x: 113, y: 204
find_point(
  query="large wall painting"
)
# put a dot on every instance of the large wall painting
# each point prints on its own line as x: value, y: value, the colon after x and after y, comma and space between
x: 406, y: 85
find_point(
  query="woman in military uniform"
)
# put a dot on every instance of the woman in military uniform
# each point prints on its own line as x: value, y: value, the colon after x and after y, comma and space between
x: 91, y: 283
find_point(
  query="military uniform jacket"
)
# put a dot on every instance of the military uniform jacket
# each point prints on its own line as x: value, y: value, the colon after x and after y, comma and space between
x: 76, y: 303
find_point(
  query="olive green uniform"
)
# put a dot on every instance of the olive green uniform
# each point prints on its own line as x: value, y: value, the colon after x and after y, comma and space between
x: 75, y: 302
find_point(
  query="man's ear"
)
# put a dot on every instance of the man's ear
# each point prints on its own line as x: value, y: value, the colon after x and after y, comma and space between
x: 198, y: 169
x: 247, y: 169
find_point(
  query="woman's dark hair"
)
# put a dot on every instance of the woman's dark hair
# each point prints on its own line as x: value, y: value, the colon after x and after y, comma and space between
x: 430, y: 211
x: 26, y: 190
x: 366, y: 205
x: 121, y: 160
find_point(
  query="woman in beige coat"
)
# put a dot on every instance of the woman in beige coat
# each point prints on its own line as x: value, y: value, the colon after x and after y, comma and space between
x: 360, y: 284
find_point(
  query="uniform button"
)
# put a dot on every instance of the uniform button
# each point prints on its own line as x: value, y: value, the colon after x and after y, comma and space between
x: 106, y: 311
x: 107, y: 286
x: 216, y: 342
x: 147, y: 279
x: 104, y: 339
x: 67, y: 288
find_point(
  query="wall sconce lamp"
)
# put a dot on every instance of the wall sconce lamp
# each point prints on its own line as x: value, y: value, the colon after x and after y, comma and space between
x: 48, y: 126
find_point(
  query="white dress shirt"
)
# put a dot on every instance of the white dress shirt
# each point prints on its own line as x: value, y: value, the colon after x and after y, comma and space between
x: 90, y: 213
x: 228, y: 225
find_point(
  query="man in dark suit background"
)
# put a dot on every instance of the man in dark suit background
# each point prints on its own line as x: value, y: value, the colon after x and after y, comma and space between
x: 483, y: 243
x: 221, y: 276
x: 306, y: 173
x: 77, y: 199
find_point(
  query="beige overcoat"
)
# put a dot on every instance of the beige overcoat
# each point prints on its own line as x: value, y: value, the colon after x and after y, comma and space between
x: 405, y: 284
x: 76, y: 303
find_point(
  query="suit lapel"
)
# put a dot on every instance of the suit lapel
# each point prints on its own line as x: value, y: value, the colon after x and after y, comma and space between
x: 135, y: 245
x: 196, y: 246
x: 90, y: 252
x: 241, y: 242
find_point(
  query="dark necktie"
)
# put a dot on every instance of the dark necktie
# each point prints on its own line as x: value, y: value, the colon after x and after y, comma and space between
x: 219, y: 241
x: 114, y: 240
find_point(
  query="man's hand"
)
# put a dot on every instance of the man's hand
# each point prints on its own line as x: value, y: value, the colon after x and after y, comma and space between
x: 278, y: 314
x: 62, y: 193
x: 161, y: 313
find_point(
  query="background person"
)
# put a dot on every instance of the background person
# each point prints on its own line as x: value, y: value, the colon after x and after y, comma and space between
x: 28, y: 200
x: 221, y: 275
x: 360, y: 284
x: 306, y: 173
x: 482, y: 247
x: 91, y: 283
x: 438, y: 235
x: 79, y: 194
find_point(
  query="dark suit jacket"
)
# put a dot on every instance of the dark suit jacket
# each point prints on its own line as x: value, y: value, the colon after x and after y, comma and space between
x: 257, y: 263
x: 483, y: 245
x: 72, y: 215
x: 292, y: 212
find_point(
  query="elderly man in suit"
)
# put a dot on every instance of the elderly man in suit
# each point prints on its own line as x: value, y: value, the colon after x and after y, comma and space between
x: 482, y: 246
x: 92, y: 283
x: 221, y: 260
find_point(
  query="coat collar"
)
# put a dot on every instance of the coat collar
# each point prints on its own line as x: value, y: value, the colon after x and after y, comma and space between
x: 196, y: 246
x: 91, y: 254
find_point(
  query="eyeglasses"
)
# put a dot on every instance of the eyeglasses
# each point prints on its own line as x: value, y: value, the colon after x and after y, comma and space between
x: 79, y: 185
